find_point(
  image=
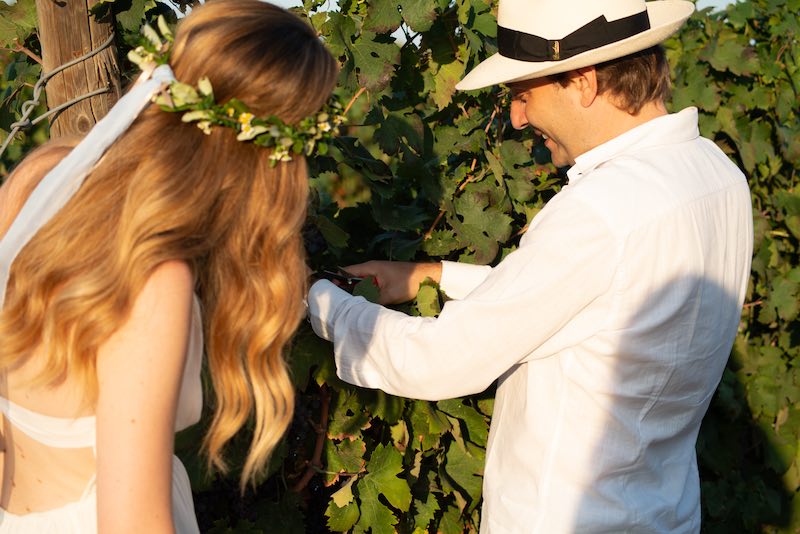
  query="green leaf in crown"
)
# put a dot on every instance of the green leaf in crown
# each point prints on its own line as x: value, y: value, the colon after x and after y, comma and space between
x: 198, y: 106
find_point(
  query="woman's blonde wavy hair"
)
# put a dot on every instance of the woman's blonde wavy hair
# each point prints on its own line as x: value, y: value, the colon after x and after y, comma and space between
x: 165, y: 191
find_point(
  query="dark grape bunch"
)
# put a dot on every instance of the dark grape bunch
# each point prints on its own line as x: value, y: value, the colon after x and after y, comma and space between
x: 313, y: 240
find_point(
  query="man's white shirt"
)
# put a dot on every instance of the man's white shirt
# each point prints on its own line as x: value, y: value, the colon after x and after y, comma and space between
x: 608, y: 329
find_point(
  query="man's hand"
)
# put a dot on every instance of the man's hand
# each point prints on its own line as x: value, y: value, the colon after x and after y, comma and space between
x: 398, y: 280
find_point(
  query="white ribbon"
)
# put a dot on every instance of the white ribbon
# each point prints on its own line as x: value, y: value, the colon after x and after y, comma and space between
x: 64, y: 180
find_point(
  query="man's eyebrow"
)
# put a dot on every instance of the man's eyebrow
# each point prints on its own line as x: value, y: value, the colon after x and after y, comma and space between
x: 518, y: 88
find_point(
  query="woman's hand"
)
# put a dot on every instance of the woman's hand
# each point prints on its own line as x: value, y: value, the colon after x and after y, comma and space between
x: 398, y: 281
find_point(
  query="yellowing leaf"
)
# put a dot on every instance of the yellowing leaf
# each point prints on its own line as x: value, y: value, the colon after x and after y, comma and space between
x: 427, y: 300
x: 344, y: 495
x: 445, y: 82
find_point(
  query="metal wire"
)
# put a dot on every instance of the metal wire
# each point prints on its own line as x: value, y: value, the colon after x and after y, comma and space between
x: 65, y: 105
x: 29, y: 105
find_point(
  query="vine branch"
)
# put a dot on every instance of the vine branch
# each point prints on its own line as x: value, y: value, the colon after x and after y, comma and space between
x: 314, y: 465
x: 353, y: 100
x: 469, y: 179
x: 19, y: 47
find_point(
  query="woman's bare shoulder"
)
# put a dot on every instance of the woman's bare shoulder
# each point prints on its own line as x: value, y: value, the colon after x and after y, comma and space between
x: 170, y: 277
x: 26, y: 176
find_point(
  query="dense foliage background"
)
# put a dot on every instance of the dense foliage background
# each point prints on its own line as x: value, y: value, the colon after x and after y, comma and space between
x: 426, y: 173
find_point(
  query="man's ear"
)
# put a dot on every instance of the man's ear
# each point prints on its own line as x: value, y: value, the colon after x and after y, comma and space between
x: 585, y: 80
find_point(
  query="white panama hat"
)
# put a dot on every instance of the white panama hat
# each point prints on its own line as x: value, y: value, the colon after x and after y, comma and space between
x: 537, y: 38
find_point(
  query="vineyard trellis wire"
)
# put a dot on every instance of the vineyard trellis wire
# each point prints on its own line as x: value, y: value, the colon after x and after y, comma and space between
x: 29, y: 105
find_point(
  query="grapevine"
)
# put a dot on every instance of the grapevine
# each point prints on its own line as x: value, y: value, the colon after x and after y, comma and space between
x: 423, y: 172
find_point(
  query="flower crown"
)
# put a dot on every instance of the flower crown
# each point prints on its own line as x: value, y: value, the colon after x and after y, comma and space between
x: 197, y: 105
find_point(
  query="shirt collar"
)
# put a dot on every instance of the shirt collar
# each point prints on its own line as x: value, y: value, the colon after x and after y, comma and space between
x: 664, y: 130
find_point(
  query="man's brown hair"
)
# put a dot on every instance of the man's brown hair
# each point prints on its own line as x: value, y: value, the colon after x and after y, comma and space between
x: 633, y: 80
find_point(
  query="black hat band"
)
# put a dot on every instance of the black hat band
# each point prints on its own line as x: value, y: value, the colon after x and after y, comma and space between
x: 514, y: 44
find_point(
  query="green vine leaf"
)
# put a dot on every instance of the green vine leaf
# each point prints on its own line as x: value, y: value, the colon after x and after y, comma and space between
x: 348, y: 417
x: 427, y: 301
x: 419, y: 14
x: 344, y: 457
x: 16, y: 22
x: 381, y: 479
x: 464, y: 466
x: 368, y: 289
x: 374, y: 61
x: 382, y: 17
x: 133, y: 17
x: 427, y: 425
x: 341, y: 518
x: 446, y: 79
x: 425, y: 511
x: 441, y: 243
x: 400, y: 129
x: 333, y: 234
x: 784, y: 298
x: 475, y: 423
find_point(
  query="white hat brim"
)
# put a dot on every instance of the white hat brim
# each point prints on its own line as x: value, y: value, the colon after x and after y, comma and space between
x: 666, y: 17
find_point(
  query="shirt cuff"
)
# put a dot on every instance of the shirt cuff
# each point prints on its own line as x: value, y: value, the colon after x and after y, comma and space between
x: 459, y: 279
x: 324, y: 299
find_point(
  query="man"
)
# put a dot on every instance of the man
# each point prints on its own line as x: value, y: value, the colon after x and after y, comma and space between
x: 609, y: 328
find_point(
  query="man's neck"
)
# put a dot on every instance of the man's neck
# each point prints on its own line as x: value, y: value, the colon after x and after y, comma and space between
x: 613, y: 122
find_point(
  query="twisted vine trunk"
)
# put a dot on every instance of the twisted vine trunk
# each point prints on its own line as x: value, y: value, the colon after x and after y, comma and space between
x: 67, y: 31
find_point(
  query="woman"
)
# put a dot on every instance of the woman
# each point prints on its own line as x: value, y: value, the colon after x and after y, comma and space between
x: 101, y: 329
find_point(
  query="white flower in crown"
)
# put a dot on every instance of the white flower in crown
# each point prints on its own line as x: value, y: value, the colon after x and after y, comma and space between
x: 204, y: 86
x: 152, y: 35
x: 183, y: 94
x: 196, y: 115
x: 141, y: 57
x: 251, y: 132
x: 163, y: 27
x: 248, y: 131
x: 280, y: 153
x: 245, y: 119
x: 203, y: 116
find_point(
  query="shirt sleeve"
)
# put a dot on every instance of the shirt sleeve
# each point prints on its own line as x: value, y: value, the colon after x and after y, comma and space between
x: 565, y: 261
x: 459, y: 279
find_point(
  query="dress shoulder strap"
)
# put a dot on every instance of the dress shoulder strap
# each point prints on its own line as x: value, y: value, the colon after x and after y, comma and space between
x: 190, y: 399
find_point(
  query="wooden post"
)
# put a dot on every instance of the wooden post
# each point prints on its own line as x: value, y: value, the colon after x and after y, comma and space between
x: 67, y: 31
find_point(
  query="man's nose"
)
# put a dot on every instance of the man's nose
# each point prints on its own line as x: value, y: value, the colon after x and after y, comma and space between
x: 518, y: 118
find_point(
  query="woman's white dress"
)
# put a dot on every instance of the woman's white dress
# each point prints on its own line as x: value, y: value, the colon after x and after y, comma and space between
x: 81, y: 516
